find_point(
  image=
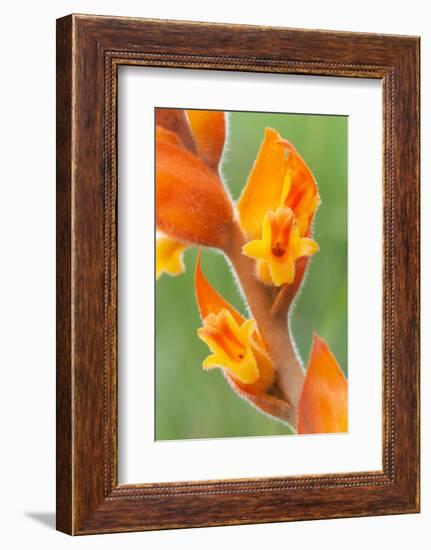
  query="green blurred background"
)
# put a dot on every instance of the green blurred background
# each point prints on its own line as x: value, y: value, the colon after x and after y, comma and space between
x: 192, y: 403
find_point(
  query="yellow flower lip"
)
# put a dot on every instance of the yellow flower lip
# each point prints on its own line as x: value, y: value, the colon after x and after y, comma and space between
x: 251, y: 349
x: 231, y: 345
x: 169, y: 256
x: 222, y: 331
x: 281, y: 223
x: 279, y: 248
x: 277, y: 251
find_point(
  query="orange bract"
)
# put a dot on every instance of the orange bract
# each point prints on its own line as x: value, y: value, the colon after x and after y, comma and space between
x: 278, y: 178
x: 191, y: 202
x: 323, y: 403
x: 208, y: 128
x: 264, y: 185
x: 175, y: 121
x: 162, y: 134
x: 208, y: 299
x: 299, y: 189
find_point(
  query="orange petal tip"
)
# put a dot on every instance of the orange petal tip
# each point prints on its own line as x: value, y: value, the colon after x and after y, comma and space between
x: 208, y: 299
x: 323, y: 402
x: 191, y: 202
x: 209, y: 132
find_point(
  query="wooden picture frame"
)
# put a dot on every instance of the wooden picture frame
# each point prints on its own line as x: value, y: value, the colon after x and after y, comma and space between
x: 89, y: 52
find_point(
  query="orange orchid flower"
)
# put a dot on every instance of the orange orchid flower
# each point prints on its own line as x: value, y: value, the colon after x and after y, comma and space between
x: 232, y: 345
x: 238, y: 349
x: 229, y: 335
x: 281, y: 245
x: 279, y: 177
x: 278, y: 202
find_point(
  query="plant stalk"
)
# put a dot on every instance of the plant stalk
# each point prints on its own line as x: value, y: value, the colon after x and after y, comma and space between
x: 274, y: 327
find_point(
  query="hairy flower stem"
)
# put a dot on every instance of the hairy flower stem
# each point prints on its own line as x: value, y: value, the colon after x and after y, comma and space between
x: 274, y: 327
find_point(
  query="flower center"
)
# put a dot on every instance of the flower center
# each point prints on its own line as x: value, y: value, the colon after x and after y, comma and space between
x: 277, y: 250
x: 229, y: 341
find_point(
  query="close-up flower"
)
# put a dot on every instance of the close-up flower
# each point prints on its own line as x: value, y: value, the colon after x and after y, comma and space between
x: 281, y: 245
x: 231, y: 345
x: 266, y: 238
x: 240, y: 349
x: 279, y: 177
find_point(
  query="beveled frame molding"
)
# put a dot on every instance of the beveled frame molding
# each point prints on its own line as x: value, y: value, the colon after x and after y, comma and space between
x: 89, y: 51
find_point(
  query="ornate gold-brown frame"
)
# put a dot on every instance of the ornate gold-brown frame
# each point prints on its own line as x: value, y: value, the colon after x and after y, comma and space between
x: 89, y: 51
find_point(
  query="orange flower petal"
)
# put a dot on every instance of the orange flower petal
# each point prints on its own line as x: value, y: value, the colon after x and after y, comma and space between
x: 298, y: 166
x: 175, y: 121
x: 279, y: 177
x: 264, y: 186
x: 191, y: 202
x: 323, y: 403
x: 209, y: 132
x: 208, y: 299
x: 287, y: 293
x: 303, y: 197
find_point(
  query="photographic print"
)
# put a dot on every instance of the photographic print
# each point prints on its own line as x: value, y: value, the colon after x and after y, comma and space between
x: 251, y: 271
x: 231, y: 257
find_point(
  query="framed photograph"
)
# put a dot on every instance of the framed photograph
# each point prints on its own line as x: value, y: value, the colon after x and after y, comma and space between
x: 237, y: 274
